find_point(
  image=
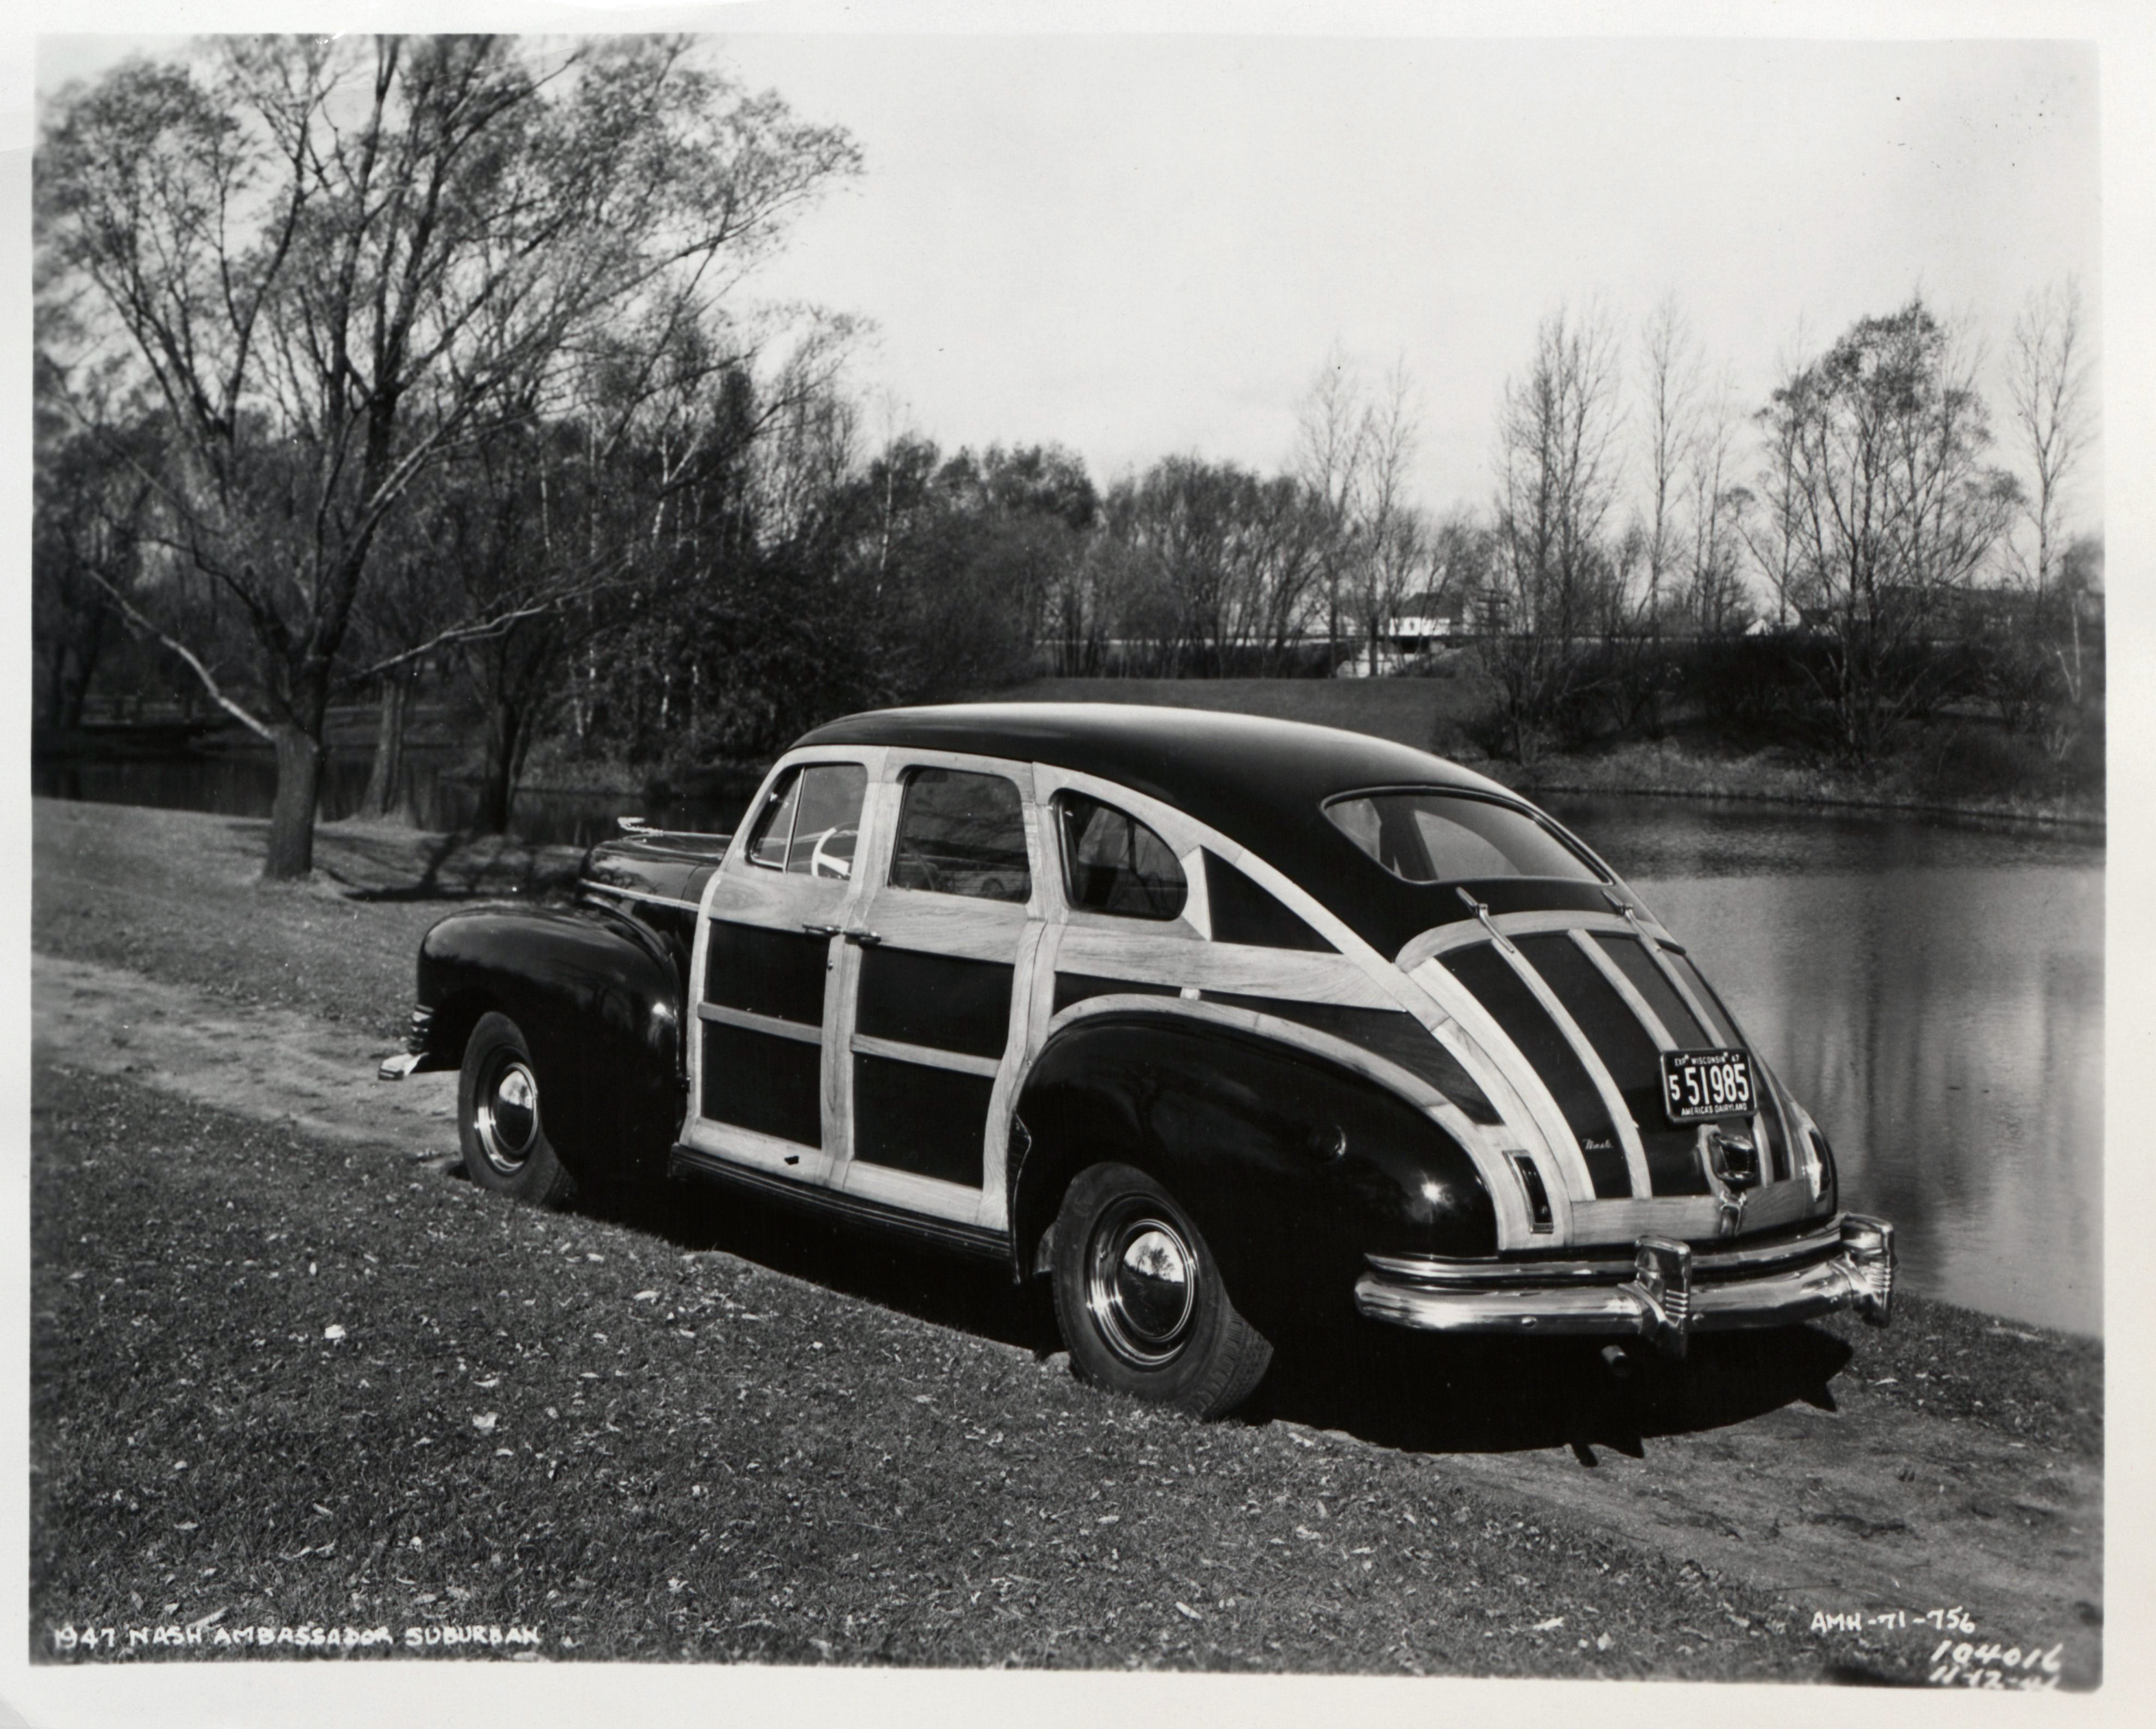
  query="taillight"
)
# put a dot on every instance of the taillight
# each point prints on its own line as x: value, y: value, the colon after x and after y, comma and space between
x: 1538, y: 1206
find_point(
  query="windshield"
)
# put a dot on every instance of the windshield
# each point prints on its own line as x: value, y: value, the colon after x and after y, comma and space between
x: 1430, y: 837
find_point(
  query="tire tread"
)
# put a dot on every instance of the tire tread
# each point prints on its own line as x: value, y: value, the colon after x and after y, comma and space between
x: 1240, y: 1354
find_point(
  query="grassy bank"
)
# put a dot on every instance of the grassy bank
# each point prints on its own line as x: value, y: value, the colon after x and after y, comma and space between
x: 277, y: 1384
x: 1771, y: 777
x: 175, y: 894
x: 645, y: 1450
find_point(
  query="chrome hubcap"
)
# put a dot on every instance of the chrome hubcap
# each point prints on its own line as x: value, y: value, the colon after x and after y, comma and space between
x: 1142, y: 1285
x: 508, y: 1117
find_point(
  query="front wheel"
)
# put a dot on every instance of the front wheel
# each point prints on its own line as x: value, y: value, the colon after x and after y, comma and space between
x: 498, y: 1118
x: 1141, y: 1303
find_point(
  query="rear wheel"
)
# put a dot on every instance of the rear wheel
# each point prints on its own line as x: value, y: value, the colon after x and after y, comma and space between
x: 1140, y: 1302
x: 498, y: 1118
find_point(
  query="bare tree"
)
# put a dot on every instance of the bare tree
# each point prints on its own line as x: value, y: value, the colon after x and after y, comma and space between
x: 1769, y: 516
x: 1669, y: 391
x: 1878, y: 445
x: 1557, y: 473
x: 1330, y: 431
x: 1716, y: 504
x: 330, y: 260
x: 1390, y: 540
x: 2047, y: 387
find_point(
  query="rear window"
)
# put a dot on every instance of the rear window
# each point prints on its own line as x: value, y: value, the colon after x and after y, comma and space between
x: 1444, y: 837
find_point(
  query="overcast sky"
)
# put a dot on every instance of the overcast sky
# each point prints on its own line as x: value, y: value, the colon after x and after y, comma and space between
x: 1135, y: 245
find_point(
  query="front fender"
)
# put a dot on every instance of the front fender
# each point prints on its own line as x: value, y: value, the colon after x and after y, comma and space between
x: 599, y: 1003
x: 1294, y: 1167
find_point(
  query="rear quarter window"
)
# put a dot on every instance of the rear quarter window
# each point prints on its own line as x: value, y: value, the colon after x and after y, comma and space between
x: 1112, y: 863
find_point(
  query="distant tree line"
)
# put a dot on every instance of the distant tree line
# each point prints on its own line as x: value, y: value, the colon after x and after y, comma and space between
x: 363, y: 360
x: 1876, y: 565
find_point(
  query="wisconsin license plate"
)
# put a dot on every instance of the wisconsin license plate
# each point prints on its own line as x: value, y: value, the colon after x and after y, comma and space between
x: 1698, y: 1085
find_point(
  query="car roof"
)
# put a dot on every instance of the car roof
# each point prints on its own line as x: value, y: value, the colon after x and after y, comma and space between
x: 1259, y: 781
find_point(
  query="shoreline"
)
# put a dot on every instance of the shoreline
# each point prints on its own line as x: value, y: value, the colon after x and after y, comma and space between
x: 1634, y: 769
x: 1884, y: 804
x: 1650, y: 771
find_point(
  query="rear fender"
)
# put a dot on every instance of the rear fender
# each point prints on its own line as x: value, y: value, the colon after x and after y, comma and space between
x: 598, y: 1001
x: 1294, y: 1167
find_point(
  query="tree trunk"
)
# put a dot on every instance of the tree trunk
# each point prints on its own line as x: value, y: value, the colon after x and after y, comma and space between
x: 299, y: 760
x: 497, y: 786
x: 380, y: 798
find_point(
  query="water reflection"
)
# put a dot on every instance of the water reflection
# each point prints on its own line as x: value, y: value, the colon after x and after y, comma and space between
x: 1934, y: 993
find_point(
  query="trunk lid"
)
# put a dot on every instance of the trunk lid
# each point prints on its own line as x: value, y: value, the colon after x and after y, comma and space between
x: 1587, y: 1003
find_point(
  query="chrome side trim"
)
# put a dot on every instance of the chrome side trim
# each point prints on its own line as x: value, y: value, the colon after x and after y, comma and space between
x: 599, y: 888
x: 639, y: 829
x: 398, y: 1067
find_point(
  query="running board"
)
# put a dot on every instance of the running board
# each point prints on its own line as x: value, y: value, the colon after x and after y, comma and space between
x: 686, y: 1161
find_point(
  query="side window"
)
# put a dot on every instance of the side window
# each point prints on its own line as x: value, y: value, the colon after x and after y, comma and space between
x: 961, y: 833
x: 812, y: 822
x: 1113, y: 863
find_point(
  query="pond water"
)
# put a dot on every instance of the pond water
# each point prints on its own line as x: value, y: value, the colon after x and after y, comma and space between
x: 1933, y: 992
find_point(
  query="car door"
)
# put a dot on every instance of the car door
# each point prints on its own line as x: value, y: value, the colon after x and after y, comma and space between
x: 766, y: 956
x: 937, y: 983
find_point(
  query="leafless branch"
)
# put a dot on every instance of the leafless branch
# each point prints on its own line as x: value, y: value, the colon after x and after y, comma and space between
x: 133, y: 615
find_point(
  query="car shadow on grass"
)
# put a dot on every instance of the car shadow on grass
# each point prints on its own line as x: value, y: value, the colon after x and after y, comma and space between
x: 974, y: 1297
x: 1429, y: 1395
x: 1397, y: 1390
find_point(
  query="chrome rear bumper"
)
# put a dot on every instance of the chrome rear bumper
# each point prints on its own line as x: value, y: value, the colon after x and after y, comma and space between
x: 1669, y: 1292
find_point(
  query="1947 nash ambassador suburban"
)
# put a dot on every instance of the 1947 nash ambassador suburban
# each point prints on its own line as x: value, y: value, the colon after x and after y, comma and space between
x: 1218, y: 1023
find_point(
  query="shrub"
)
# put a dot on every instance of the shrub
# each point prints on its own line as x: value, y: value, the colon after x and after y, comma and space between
x: 1974, y: 759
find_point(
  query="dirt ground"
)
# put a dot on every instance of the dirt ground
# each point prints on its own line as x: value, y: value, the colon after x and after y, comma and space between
x: 1934, y: 1486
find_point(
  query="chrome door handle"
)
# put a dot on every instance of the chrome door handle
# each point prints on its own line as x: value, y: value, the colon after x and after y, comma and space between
x: 821, y: 930
x: 866, y: 939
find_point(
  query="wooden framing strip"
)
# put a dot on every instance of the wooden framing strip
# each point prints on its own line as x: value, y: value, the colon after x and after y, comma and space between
x: 1597, y: 1072
x: 749, y: 1023
x: 1625, y: 988
x: 927, y: 1055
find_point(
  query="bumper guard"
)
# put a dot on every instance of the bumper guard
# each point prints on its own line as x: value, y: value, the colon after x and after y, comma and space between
x: 417, y: 1050
x: 1673, y: 1290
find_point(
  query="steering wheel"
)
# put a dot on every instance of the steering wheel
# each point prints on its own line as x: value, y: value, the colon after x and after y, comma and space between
x: 826, y: 860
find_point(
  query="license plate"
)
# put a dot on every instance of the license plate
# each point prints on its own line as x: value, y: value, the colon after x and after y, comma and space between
x: 1700, y: 1084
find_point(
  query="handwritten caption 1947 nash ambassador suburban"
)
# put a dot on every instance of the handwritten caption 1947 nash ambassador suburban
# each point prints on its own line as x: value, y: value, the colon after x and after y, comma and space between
x: 1218, y: 1023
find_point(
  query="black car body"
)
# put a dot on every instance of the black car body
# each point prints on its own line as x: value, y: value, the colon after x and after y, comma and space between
x: 1219, y: 1022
